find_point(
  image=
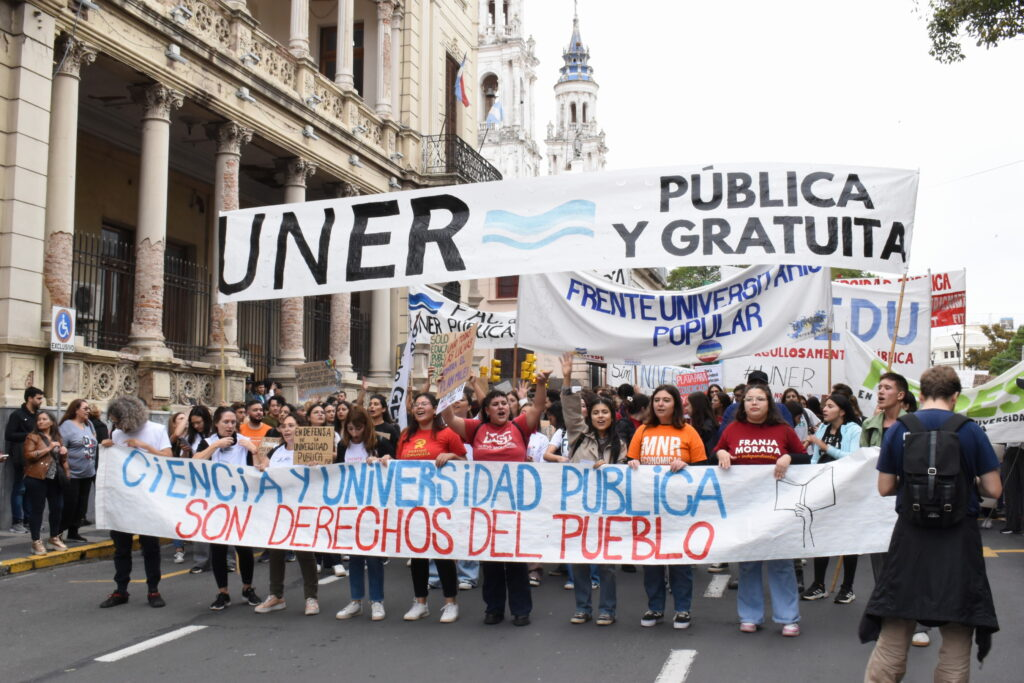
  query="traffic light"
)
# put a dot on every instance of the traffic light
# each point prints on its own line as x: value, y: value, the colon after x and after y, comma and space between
x: 528, y: 370
x: 495, y: 370
x: 485, y: 371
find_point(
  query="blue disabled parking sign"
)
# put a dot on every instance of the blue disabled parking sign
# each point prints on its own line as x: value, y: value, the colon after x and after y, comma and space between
x: 62, y: 329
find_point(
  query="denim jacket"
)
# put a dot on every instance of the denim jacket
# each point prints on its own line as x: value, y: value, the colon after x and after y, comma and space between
x: 850, y: 433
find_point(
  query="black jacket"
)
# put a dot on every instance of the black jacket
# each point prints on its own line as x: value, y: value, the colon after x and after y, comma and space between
x: 19, y: 425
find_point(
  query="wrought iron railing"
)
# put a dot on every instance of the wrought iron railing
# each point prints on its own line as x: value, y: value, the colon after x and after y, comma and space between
x: 359, y: 342
x: 186, y: 307
x: 316, y: 329
x: 103, y: 288
x: 450, y: 154
x: 257, y: 335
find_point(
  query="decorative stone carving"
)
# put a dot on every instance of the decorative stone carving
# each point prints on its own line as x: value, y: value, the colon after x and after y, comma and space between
x: 157, y: 100
x: 229, y: 136
x: 71, y: 55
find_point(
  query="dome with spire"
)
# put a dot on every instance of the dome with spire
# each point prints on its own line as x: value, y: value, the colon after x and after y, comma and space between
x: 576, y: 57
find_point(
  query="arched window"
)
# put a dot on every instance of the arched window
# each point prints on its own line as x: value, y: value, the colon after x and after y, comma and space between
x: 572, y: 112
x: 489, y: 88
x: 584, y: 112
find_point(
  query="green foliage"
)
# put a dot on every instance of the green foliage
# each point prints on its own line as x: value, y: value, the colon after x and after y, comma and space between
x: 691, y: 277
x: 986, y: 21
x: 850, y: 274
x: 1010, y: 356
x: 998, y: 342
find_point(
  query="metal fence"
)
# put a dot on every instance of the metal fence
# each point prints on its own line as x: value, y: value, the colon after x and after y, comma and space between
x: 316, y: 327
x: 103, y: 288
x: 452, y: 154
x: 359, y: 342
x: 257, y: 335
x: 186, y: 307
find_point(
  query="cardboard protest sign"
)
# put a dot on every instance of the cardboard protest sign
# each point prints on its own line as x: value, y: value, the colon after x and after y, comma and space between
x: 267, y: 444
x: 314, y: 446
x: 457, y: 368
x: 819, y: 215
x: 515, y: 512
x: 317, y: 379
x: 435, y: 315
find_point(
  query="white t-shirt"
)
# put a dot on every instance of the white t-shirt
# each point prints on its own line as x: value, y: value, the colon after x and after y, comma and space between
x: 232, y: 455
x: 282, y: 457
x: 150, y: 433
x: 537, y: 446
x: 356, y: 452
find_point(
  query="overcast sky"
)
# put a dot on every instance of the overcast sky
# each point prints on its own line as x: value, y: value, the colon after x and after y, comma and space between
x: 824, y: 81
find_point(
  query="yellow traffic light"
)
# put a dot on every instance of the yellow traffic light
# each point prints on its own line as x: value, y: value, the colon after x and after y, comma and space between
x: 495, y: 370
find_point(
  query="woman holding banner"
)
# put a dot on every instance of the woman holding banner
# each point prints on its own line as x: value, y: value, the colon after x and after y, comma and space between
x: 430, y: 439
x: 495, y: 437
x: 666, y: 439
x: 283, y: 456
x: 758, y: 436
x: 226, y: 446
x: 592, y: 441
x: 836, y: 437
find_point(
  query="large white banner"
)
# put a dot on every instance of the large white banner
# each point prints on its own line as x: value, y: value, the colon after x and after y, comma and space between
x: 759, y: 308
x: 861, y: 312
x: 437, y: 315
x: 530, y: 512
x: 825, y: 215
x: 650, y: 377
x: 997, y: 406
x: 949, y: 295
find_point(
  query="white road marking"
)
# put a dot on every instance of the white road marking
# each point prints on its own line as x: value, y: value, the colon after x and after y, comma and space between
x: 149, y: 644
x: 328, y: 579
x: 676, y: 667
x: 716, y: 587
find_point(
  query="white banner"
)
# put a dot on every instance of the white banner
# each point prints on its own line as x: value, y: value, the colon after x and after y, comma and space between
x: 997, y: 406
x: 650, y: 377
x: 824, y: 215
x: 530, y: 512
x: 438, y: 315
x: 397, y: 398
x: 949, y: 295
x: 760, y: 307
x: 864, y: 312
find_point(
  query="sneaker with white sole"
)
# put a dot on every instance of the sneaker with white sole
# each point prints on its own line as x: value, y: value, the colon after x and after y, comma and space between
x: 815, y: 592
x: 681, y: 620
x: 419, y: 610
x: 921, y: 639
x: 312, y: 607
x: 340, y: 571
x: 791, y: 630
x: 271, y: 604
x: 845, y: 596
x: 449, y: 613
x: 465, y: 586
x: 179, y: 556
x: 377, y: 611
x: 352, y: 609
x: 651, y: 617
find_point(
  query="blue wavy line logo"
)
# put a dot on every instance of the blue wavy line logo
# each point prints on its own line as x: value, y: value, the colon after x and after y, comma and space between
x: 422, y: 302
x: 575, y: 217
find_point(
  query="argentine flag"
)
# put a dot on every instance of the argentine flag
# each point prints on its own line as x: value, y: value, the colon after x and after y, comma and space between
x: 496, y: 114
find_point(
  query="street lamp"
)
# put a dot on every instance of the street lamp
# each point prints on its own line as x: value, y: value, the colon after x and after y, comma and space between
x: 957, y: 337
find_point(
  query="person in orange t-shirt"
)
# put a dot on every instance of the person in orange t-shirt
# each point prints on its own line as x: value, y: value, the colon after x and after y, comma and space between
x: 253, y: 427
x: 666, y: 439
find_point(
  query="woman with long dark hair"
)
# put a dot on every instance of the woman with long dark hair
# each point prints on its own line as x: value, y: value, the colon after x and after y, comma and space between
x: 46, y: 465
x: 837, y: 437
x: 758, y: 436
x: 698, y: 411
x: 228, y: 447
x: 79, y: 437
x: 719, y: 402
x: 382, y: 422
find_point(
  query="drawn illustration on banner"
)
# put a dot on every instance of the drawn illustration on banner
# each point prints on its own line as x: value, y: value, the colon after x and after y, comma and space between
x: 803, y: 500
x: 575, y: 217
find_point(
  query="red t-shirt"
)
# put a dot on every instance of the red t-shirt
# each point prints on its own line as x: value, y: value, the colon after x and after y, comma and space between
x: 506, y: 443
x: 425, y: 445
x: 751, y: 444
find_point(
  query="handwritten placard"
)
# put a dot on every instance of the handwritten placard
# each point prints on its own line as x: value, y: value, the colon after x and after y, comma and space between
x: 314, y: 446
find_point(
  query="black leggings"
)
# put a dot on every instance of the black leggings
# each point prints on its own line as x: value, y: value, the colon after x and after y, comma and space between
x: 39, y: 493
x: 849, y: 570
x: 219, y: 563
x: 420, y: 569
x: 76, y: 503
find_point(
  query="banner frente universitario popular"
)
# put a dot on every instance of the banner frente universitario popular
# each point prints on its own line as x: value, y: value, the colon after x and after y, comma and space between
x: 825, y: 215
x: 437, y: 315
x: 860, y: 312
x: 949, y: 295
x: 529, y: 512
x: 997, y: 406
x: 760, y: 307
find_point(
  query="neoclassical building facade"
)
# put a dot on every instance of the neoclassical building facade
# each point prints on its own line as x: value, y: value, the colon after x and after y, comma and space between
x: 129, y: 124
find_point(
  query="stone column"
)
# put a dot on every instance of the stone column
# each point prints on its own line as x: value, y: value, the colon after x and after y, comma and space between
x: 380, y: 337
x: 340, y: 347
x: 229, y: 137
x: 157, y: 101
x: 72, y: 55
x: 298, y: 35
x: 343, y: 74
x: 291, y: 351
x: 396, y: 63
x: 385, y: 8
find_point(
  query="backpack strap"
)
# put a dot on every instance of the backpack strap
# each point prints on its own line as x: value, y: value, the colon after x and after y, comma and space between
x: 955, y: 422
x: 912, y: 423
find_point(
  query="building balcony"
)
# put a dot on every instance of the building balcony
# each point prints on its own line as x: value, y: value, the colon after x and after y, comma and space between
x: 450, y: 155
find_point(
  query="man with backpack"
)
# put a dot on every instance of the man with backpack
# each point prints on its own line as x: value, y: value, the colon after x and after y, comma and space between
x: 935, y: 462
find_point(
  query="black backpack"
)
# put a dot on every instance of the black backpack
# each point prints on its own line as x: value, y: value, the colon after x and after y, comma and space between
x: 935, y: 486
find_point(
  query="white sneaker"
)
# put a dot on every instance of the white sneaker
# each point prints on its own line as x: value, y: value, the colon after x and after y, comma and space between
x: 377, y: 611
x: 352, y: 609
x: 921, y: 639
x: 312, y: 607
x: 449, y: 613
x: 179, y: 556
x: 340, y: 571
x: 271, y: 604
x: 419, y: 610
x: 465, y: 586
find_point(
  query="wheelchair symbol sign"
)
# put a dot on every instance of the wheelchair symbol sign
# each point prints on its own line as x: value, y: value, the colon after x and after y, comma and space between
x: 62, y: 330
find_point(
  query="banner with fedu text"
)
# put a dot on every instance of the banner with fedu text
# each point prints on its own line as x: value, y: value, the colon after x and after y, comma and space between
x: 949, y: 294
x: 436, y: 314
x: 997, y: 406
x: 528, y: 512
x: 814, y: 214
x: 755, y: 310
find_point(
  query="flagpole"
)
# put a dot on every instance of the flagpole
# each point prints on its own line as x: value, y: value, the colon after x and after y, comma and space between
x: 896, y: 330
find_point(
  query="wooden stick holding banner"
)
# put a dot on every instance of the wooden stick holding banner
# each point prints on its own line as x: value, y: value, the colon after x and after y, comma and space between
x: 896, y: 329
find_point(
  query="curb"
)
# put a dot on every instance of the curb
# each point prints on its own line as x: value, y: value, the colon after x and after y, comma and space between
x: 89, y: 551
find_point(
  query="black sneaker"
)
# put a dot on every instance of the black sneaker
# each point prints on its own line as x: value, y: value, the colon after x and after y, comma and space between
x: 629, y: 568
x: 491, y: 618
x: 718, y: 568
x: 845, y: 596
x: 1008, y: 531
x: 78, y: 538
x: 155, y: 599
x: 650, y: 618
x: 521, y: 620
x: 815, y: 592
x: 734, y: 583
x: 222, y: 601
x: 114, y: 599
x: 682, y: 620
x: 250, y: 595
x: 198, y: 569
x: 290, y: 557
x: 264, y: 557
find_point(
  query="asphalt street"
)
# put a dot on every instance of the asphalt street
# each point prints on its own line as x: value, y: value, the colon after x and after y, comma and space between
x: 53, y: 629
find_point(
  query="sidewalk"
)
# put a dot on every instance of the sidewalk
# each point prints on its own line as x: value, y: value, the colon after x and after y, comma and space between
x: 16, y: 551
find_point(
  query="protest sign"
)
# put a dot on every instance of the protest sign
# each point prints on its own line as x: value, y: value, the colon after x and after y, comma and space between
x: 865, y: 312
x: 435, y: 315
x: 757, y: 309
x: 949, y: 294
x: 317, y: 379
x: 997, y: 406
x: 649, y: 377
x: 820, y: 215
x: 314, y: 445
x: 267, y: 444
x: 457, y: 368
x: 526, y: 512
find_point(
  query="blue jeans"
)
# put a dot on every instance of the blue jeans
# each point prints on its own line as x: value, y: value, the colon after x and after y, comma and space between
x: 374, y: 568
x: 781, y: 583
x: 571, y: 570
x: 680, y: 579
x: 606, y: 572
x: 468, y: 571
x: 19, y: 507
